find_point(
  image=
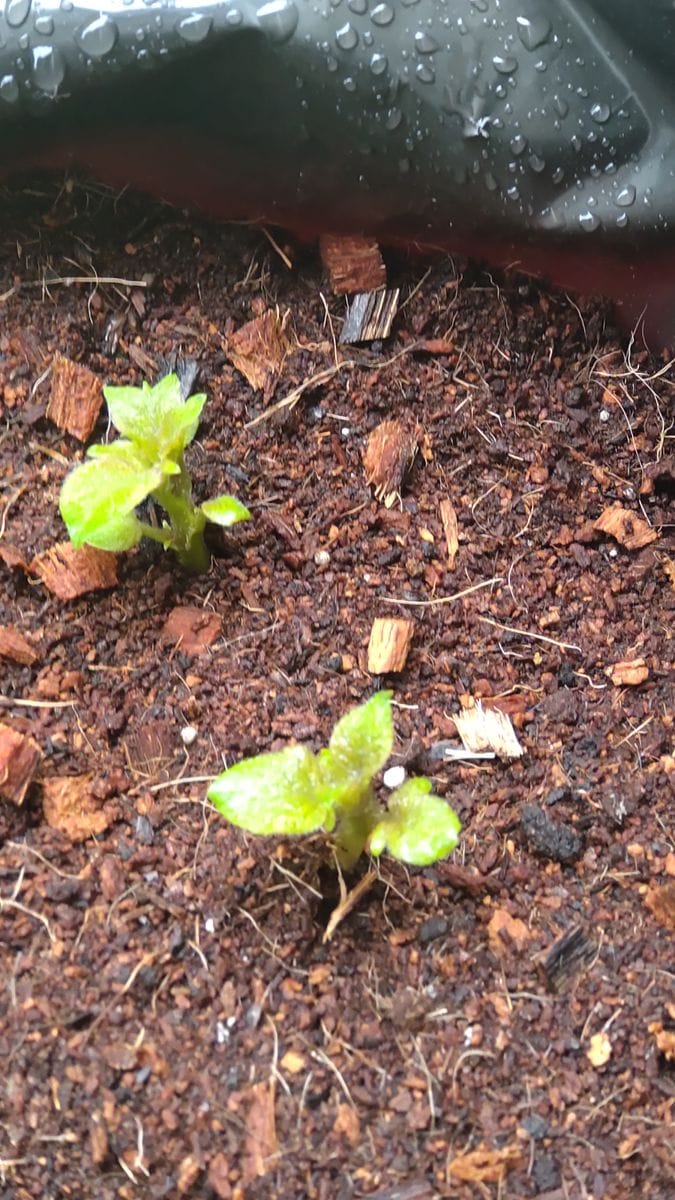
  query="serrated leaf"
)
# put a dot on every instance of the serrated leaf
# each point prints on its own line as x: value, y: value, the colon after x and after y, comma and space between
x: 273, y: 793
x: 156, y: 418
x: 225, y: 511
x: 359, y: 747
x: 103, y: 491
x: 419, y: 827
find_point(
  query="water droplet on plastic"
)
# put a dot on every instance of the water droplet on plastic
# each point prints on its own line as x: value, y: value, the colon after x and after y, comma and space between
x: 626, y: 197
x: 358, y: 6
x: 382, y: 14
x: 194, y: 28
x: 513, y: 193
x: 518, y: 143
x: 97, y: 38
x: 480, y: 5
x: 44, y: 25
x: 424, y: 43
x: 425, y: 72
x: 589, y: 221
x: 558, y: 175
x: 600, y: 113
x: 9, y: 89
x: 622, y: 220
x: 533, y: 31
x: 379, y: 64
x: 16, y: 12
x: 537, y: 164
x: 347, y: 37
x: 506, y: 64
x: 490, y: 181
x: 49, y: 68
x: 393, y: 118
x: 234, y: 17
x: 561, y: 106
x: 349, y: 84
x: 278, y: 19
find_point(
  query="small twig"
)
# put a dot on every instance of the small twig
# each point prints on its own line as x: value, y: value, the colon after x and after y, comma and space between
x: 475, y: 587
x: 537, y: 637
x: 11, y: 702
x: 292, y: 398
x: 275, y: 246
x: 348, y: 901
x: 28, y: 912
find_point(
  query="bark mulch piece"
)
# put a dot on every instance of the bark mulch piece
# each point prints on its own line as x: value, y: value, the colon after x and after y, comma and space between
x: 354, y: 264
x: 68, y: 572
x: 389, y: 644
x: 75, y: 399
x: 173, y: 1021
x: 20, y: 757
x: 15, y: 646
x: 389, y: 454
x: 192, y: 629
x: 258, y: 350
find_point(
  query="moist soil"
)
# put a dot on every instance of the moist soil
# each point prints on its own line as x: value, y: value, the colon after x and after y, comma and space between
x: 173, y: 1021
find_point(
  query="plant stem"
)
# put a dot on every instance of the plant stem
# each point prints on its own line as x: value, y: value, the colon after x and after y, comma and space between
x: 187, y: 521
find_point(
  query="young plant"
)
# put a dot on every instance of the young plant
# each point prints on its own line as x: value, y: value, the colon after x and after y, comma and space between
x: 99, y: 498
x: 295, y: 791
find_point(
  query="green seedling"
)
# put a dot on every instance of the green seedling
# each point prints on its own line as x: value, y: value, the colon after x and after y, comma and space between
x: 294, y: 791
x: 99, y: 498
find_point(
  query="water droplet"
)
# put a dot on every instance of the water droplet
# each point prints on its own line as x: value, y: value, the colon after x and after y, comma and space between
x: 575, y: 142
x: 16, y: 12
x: 425, y: 72
x: 424, y: 43
x: 537, y: 164
x: 518, y: 143
x: 561, y: 106
x: 382, y: 14
x: 622, y: 220
x: 98, y: 38
x: 513, y: 193
x: 347, y: 37
x: 626, y: 197
x: 194, y: 28
x: 9, y: 89
x: 358, y: 6
x: 480, y: 5
x: 404, y: 166
x: 589, y: 221
x: 490, y: 181
x: 234, y: 17
x: 49, y: 68
x: 393, y: 118
x: 506, y: 64
x: 533, y: 31
x: 44, y: 25
x: 349, y: 84
x: 278, y: 19
x: 601, y: 113
x: 378, y: 64
x: 558, y: 175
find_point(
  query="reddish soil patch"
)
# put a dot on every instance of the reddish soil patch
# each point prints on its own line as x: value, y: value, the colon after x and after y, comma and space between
x: 171, y: 1021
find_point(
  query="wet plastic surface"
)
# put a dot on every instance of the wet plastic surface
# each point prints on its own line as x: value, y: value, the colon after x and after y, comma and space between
x: 536, y: 130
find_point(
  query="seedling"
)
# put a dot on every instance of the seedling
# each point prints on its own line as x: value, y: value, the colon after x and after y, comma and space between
x: 294, y: 791
x: 99, y: 498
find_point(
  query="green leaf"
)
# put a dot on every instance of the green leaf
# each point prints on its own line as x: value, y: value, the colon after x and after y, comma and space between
x: 359, y: 747
x: 156, y: 418
x: 122, y: 533
x: 225, y: 510
x: 419, y: 827
x: 274, y: 793
x: 103, y: 491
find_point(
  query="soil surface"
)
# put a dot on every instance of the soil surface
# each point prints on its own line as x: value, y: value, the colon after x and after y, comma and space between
x: 172, y: 1021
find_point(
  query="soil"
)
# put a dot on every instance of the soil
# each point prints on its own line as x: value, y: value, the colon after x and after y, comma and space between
x: 173, y: 1022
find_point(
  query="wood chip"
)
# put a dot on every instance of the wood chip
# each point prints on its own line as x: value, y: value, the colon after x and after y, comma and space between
x: 484, y: 1165
x: 14, y: 645
x: 389, y: 454
x: 664, y: 1038
x: 258, y: 350
x: 600, y: 1050
x: 354, y: 264
x: 76, y: 398
x: 191, y: 629
x: 390, y: 639
x: 347, y: 1123
x: 571, y: 953
x: 450, y: 529
x: 69, y: 806
x: 260, y: 1143
x: 19, y: 759
x: 502, y: 923
x: 370, y: 317
x: 660, y: 901
x: 12, y: 556
x: 625, y: 527
x: 487, y: 729
x: 628, y: 674
x: 68, y: 573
